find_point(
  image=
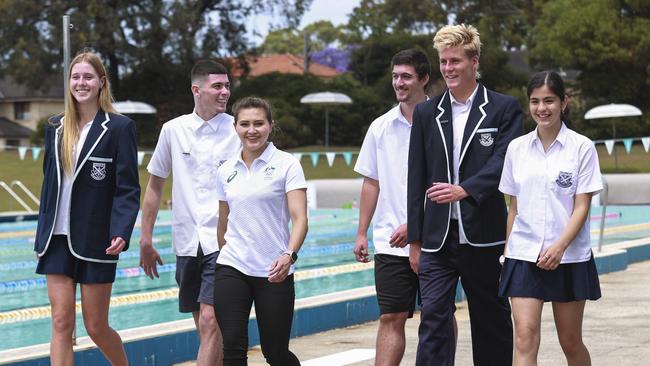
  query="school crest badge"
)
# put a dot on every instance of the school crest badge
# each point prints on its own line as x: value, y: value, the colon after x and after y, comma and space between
x: 486, y: 139
x: 564, y: 179
x: 98, y: 171
x: 268, y: 172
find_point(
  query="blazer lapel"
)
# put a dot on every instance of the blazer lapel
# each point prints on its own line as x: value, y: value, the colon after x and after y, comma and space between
x: 97, y: 131
x: 475, y: 118
x: 443, y: 119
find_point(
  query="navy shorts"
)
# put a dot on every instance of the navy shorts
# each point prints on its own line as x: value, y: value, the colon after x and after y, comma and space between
x: 396, y: 284
x: 568, y: 282
x: 58, y: 259
x: 195, y: 279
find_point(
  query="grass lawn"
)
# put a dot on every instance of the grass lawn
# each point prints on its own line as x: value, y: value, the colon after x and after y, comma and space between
x: 30, y: 172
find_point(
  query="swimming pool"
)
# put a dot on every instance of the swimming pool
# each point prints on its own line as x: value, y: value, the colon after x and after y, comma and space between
x: 326, y: 265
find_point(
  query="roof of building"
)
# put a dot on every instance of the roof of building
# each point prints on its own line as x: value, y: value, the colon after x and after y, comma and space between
x: 11, y: 90
x: 11, y: 129
x: 282, y: 63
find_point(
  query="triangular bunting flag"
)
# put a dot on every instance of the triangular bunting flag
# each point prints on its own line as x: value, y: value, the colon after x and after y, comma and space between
x: 609, y: 144
x: 330, y: 158
x: 21, y: 152
x: 140, y: 157
x: 314, y: 158
x: 646, y: 143
x: 36, y: 151
x: 628, y: 145
x: 347, y: 156
x: 298, y: 156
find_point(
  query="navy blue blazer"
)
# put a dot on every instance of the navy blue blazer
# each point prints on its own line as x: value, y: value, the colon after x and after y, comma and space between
x: 494, y: 120
x: 105, y: 196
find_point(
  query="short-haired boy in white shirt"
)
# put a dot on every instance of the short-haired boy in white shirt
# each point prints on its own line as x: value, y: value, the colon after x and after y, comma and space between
x: 193, y: 146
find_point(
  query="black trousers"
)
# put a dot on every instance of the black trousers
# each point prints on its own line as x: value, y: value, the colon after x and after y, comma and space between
x: 491, y: 325
x: 235, y: 293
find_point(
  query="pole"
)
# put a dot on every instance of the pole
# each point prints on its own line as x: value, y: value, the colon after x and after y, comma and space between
x: 327, y: 127
x: 66, y: 54
x: 614, y: 134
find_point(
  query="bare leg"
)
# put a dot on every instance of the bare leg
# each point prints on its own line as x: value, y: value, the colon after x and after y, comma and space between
x: 527, y: 313
x: 211, y: 347
x: 391, y: 340
x: 61, y: 291
x: 95, y: 300
x: 568, y: 321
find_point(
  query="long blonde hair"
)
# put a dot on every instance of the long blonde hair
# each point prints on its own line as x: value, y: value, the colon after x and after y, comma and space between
x: 71, y: 115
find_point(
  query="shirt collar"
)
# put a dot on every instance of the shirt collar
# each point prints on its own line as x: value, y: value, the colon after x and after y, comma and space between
x: 469, y: 101
x: 398, y: 116
x: 265, y: 156
x: 213, y: 122
x: 560, y: 138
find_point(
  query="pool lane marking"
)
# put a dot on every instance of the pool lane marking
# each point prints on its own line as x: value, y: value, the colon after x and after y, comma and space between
x: 342, y: 358
x: 608, y: 230
x: 172, y: 293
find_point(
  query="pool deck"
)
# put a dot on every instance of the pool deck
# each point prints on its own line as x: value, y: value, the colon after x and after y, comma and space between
x: 616, y: 330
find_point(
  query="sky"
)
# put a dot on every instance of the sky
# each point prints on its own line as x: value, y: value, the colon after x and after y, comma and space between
x: 336, y: 11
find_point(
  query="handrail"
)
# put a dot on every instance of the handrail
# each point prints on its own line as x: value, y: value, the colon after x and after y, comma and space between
x: 29, y: 193
x: 16, y: 197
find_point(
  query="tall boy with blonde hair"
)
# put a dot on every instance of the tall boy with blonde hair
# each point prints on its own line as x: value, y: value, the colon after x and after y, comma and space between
x: 456, y: 215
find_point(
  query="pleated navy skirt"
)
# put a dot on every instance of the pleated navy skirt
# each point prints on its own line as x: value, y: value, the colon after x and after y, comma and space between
x: 59, y: 260
x: 568, y: 282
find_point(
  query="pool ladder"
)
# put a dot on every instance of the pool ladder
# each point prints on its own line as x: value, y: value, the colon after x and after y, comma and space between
x: 10, y: 189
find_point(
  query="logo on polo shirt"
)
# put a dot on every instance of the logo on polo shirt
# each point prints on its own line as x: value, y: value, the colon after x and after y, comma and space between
x: 220, y: 163
x: 231, y: 176
x: 564, y: 179
x: 268, y: 172
x: 98, y: 171
x: 486, y: 139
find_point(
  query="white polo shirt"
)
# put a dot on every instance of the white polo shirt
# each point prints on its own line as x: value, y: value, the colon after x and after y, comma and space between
x: 62, y: 222
x: 258, y: 222
x: 459, y: 115
x: 194, y: 149
x: 384, y: 157
x: 545, y: 184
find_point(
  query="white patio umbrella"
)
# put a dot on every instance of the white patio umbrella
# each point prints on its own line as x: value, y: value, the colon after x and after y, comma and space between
x: 326, y: 99
x: 131, y: 107
x: 611, y: 111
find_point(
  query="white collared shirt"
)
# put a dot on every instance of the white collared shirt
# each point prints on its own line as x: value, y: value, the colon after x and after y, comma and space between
x: 194, y: 149
x: 258, y: 222
x: 545, y: 184
x: 62, y: 223
x: 459, y: 115
x: 384, y: 158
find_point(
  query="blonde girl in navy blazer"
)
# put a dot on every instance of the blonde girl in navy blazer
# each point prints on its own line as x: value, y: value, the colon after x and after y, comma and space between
x: 89, y: 204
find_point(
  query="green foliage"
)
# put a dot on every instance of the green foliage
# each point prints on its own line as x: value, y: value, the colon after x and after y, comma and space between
x: 302, y: 124
x: 321, y: 34
x: 148, y: 45
x: 608, y: 41
x: 37, y: 137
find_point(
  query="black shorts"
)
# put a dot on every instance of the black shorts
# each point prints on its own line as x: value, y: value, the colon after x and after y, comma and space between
x: 59, y: 260
x: 396, y: 284
x: 195, y: 279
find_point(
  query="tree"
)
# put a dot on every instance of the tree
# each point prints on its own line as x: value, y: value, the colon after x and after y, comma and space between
x: 321, y: 34
x: 608, y: 41
x: 148, y: 45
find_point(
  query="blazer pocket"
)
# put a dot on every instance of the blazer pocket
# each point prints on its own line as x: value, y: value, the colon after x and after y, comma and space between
x: 98, y: 171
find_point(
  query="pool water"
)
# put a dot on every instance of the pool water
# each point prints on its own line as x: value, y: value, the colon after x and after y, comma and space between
x: 326, y: 265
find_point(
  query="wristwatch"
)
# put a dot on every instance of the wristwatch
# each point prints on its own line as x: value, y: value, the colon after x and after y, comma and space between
x: 293, y: 255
